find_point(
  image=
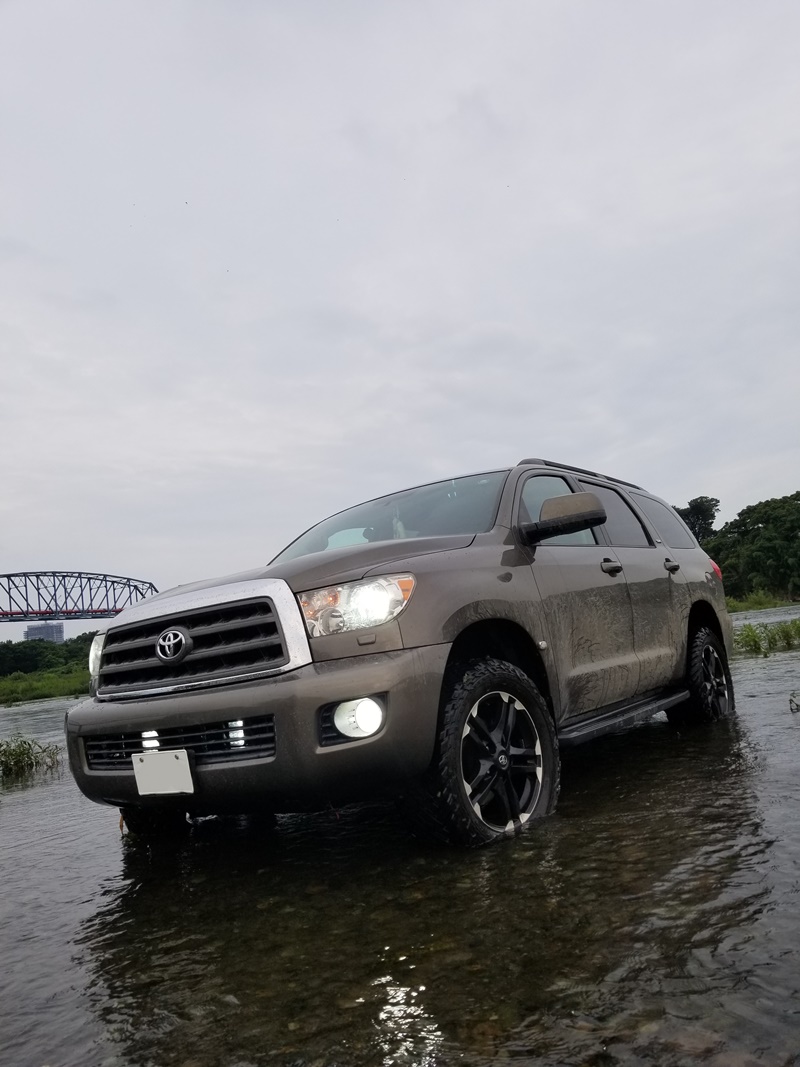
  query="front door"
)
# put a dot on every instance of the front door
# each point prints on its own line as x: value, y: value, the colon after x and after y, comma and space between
x: 587, y: 605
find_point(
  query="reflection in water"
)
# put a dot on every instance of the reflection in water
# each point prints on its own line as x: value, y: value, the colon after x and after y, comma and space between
x: 406, y: 1033
x: 654, y: 920
x: 615, y: 929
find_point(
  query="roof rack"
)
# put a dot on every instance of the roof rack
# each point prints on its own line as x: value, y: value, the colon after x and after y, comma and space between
x: 576, y: 470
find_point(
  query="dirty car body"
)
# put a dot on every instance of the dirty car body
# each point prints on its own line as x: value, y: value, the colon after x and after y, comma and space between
x: 438, y: 644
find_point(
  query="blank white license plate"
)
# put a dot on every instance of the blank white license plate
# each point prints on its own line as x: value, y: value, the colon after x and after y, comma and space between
x: 162, y: 772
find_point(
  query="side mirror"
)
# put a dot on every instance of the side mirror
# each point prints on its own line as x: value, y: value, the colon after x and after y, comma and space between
x: 563, y: 515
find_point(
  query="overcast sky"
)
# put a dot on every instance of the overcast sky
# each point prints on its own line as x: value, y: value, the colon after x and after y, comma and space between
x: 260, y: 260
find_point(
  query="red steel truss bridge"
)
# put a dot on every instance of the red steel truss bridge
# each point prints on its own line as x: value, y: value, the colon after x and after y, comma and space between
x: 50, y: 595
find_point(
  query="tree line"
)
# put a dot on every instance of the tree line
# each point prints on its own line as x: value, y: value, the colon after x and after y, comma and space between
x: 30, y: 656
x: 757, y: 551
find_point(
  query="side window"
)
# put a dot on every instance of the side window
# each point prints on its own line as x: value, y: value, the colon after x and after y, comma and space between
x: 535, y: 491
x: 622, y: 526
x: 668, y: 524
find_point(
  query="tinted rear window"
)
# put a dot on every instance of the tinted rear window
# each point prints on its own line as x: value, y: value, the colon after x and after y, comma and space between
x: 622, y: 526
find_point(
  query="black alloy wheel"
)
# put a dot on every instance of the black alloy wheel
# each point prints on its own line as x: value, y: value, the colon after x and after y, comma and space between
x: 498, y: 765
x: 501, y: 761
x: 714, y: 689
x: 709, y: 682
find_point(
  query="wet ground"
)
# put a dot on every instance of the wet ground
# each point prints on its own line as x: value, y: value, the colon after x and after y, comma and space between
x: 655, y: 919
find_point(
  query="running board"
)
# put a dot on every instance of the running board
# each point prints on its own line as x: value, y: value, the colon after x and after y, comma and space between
x: 610, y: 721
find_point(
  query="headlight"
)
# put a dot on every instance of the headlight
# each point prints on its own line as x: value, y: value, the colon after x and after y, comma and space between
x: 355, y: 606
x: 95, y: 652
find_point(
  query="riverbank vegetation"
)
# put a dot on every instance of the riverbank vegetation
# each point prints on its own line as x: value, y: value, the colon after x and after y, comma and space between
x: 762, y: 638
x: 29, y: 656
x: 36, y: 670
x: 40, y: 685
x: 757, y: 601
x: 22, y: 755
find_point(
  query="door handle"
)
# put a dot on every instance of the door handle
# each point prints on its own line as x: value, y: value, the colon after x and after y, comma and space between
x: 671, y: 565
x: 611, y: 566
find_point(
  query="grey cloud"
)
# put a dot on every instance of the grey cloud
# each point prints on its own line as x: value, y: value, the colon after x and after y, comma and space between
x: 259, y: 262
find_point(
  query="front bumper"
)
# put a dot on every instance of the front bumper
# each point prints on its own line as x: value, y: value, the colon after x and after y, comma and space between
x: 302, y: 772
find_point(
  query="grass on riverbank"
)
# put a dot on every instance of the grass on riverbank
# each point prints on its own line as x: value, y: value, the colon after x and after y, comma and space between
x: 22, y: 755
x: 62, y: 682
x: 762, y: 638
x: 757, y: 601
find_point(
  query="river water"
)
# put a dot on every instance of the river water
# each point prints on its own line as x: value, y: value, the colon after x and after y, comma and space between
x: 766, y: 615
x: 654, y: 919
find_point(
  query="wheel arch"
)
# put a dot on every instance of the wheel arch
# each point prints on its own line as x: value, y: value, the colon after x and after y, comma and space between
x: 703, y: 614
x: 708, y: 680
x: 499, y: 639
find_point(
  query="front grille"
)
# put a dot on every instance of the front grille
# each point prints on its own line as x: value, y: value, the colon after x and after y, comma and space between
x: 211, y: 742
x: 227, y: 641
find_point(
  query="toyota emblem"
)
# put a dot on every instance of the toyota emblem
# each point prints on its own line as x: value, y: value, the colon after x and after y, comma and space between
x: 173, y: 645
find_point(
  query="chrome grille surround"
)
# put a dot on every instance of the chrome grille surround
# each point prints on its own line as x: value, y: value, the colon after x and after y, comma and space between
x: 239, y: 632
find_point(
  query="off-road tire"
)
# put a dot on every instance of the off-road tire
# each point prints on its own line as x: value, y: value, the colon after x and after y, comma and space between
x: 497, y: 736
x: 708, y: 679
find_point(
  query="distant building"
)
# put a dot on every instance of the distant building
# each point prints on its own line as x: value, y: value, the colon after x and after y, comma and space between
x: 46, y: 631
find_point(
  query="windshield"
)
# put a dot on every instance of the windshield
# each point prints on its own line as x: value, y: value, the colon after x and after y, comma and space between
x: 456, y: 506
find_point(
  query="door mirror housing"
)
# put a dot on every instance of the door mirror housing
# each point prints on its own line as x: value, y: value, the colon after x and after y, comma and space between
x: 564, y: 515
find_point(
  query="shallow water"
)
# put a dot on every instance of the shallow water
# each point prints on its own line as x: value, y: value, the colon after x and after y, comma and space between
x: 767, y: 615
x: 655, y: 919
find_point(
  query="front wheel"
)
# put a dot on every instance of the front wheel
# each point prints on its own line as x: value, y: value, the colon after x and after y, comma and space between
x: 497, y: 765
x: 708, y: 679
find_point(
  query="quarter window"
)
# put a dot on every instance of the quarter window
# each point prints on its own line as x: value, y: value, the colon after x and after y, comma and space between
x: 668, y: 524
x: 622, y: 525
x: 542, y: 487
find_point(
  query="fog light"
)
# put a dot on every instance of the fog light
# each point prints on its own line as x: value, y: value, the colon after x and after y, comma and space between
x: 150, y: 739
x: 236, y: 736
x: 358, y: 718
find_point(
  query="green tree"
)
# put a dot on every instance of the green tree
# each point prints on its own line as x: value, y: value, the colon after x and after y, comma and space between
x: 30, y: 656
x: 699, y: 515
x: 760, y: 548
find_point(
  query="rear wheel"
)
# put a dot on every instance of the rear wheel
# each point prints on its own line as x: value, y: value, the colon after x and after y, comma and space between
x: 708, y: 678
x: 154, y: 822
x: 497, y: 766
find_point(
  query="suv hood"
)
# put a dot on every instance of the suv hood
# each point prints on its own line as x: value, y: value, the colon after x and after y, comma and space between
x: 327, y: 568
x: 350, y: 564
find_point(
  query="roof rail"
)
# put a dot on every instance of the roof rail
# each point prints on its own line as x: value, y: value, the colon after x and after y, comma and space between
x: 576, y: 470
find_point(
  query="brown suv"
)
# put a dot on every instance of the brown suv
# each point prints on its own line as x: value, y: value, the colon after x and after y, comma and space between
x: 439, y: 643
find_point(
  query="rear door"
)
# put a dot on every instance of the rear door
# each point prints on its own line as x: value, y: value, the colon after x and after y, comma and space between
x: 587, y: 605
x: 656, y: 585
